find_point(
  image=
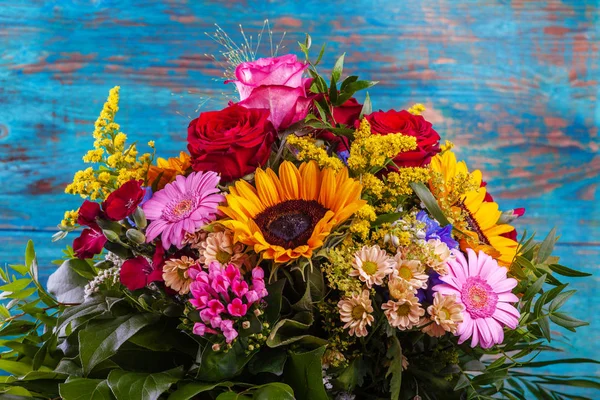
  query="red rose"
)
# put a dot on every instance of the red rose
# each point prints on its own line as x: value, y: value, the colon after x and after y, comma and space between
x: 411, y: 125
x: 348, y: 112
x: 89, y: 243
x: 233, y: 141
x: 122, y: 202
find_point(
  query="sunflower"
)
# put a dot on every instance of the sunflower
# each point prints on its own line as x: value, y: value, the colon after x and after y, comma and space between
x: 463, y: 200
x: 289, y: 215
x: 481, y: 230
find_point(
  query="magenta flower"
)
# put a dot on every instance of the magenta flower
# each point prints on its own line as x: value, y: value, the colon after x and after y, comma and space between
x: 239, y: 288
x: 485, y: 291
x: 200, y: 329
x: 236, y: 308
x: 228, y: 331
x: 184, y: 205
x: 138, y: 272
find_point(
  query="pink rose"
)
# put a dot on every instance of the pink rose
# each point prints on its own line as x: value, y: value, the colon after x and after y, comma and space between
x: 275, y: 84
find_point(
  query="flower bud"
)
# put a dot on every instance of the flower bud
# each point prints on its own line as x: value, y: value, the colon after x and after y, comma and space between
x: 135, y: 236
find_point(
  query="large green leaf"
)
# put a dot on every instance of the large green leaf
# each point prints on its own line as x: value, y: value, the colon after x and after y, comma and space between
x: 430, y: 202
x: 190, y: 390
x: 101, y: 339
x: 140, y: 386
x: 293, y: 330
x: 268, y: 360
x: 273, y: 300
x: 85, y: 389
x: 219, y: 366
x: 66, y: 284
x: 303, y: 372
x: 275, y: 390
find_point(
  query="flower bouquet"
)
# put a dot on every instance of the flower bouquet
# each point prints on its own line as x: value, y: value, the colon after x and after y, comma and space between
x: 304, y: 247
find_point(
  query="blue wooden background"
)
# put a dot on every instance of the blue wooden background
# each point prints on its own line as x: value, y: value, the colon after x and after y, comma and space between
x: 515, y: 84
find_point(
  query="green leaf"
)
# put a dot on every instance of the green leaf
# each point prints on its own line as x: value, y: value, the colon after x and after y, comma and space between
x: 546, y: 247
x: 20, y: 269
x: 353, y: 375
x: 82, y: 267
x: 394, y: 353
x: 561, y: 299
x: 545, y: 327
x: 430, y: 202
x: 66, y: 284
x: 268, y: 361
x: 348, y: 81
x: 318, y: 60
x: 289, y: 331
x: 303, y: 372
x: 16, y: 286
x: 473, y: 365
x: 367, y: 106
x: 462, y: 383
x: 219, y: 366
x: 353, y: 88
x: 189, y: 391
x: 29, y: 254
x: 101, y: 340
x: 17, y: 368
x: 537, y: 364
x: 85, y: 389
x: 142, y: 386
x: 275, y: 390
x: 386, y: 219
x: 490, y: 378
x: 564, y: 271
x: 338, y: 68
x: 534, y: 288
x: 569, y: 381
x: 273, y: 301
x: 567, y: 321
x: 232, y: 396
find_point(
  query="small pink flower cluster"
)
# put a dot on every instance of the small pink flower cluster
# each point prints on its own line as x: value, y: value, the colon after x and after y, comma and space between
x: 223, y: 297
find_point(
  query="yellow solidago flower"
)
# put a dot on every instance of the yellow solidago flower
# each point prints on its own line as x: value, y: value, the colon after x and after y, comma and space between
x: 417, y: 109
x: 115, y: 162
x: 289, y: 215
x: 70, y: 218
x: 308, y: 150
x: 371, y: 152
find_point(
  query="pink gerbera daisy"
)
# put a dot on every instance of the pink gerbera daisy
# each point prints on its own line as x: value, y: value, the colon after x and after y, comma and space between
x: 183, y: 206
x: 485, y: 291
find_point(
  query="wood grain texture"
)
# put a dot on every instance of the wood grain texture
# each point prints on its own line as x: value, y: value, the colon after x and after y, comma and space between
x: 514, y: 84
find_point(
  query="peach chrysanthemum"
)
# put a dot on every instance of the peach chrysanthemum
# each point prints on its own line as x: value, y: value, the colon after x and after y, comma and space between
x: 404, y: 313
x: 356, y: 313
x: 439, y: 255
x: 176, y: 274
x: 446, y: 312
x: 194, y: 240
x: 411, y: 271
x: 219, y: 246
x: 400, y: 288
x: 430, y: 328
x: 372, y: 264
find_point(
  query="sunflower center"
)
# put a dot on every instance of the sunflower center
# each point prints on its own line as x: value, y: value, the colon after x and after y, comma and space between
x: 403, y: 310
x: 479, y: 298
x: 291, y: 223
x: 405, y: 273
x: 358, y: 312
x: 369, y: 267
x: 472, y: 223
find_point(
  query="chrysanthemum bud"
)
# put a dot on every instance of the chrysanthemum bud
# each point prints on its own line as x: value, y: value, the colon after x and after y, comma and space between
x: 135, y: 236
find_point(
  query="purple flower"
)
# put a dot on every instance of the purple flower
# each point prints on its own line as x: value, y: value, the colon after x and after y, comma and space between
x: 433, y: 230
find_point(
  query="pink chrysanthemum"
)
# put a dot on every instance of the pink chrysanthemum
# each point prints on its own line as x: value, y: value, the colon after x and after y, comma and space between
x: 183, y: 206
x: 485, y: 291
